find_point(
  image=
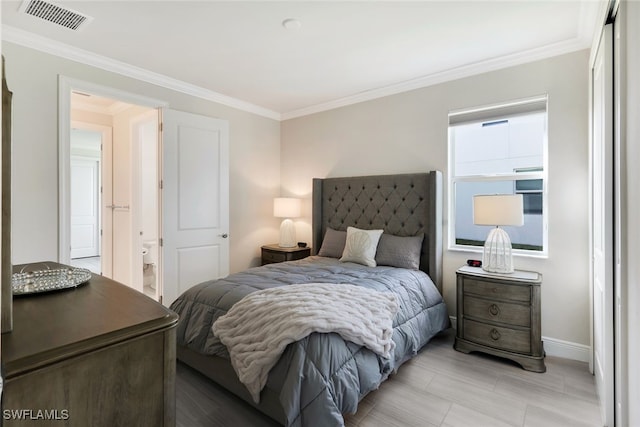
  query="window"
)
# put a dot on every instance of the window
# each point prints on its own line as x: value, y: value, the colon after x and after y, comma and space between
x: 531, y: 190
x: 499, y: 150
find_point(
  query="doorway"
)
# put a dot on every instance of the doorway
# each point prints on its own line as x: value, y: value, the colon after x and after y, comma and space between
x: 112, y: 150
x: 145, y: 160
x: 190, y: 184
x: 86, y: 146
x: 107, y: 202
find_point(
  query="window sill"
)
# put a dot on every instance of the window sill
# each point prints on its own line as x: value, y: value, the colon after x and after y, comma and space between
x: 516, y: 252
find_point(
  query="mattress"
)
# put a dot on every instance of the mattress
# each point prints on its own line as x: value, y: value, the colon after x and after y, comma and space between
x: 322, y: 376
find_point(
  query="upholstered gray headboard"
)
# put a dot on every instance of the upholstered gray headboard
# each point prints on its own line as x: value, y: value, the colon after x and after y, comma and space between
x: 403, y: 205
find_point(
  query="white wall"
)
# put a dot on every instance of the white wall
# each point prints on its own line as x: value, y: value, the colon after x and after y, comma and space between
x: 32, y: 77
x: 123, y: 252
x: 408, y: 133
x: 85, y: 143
x: 91, y: 117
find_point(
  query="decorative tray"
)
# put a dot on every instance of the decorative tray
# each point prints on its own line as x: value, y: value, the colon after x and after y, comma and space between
x: 31, y: 282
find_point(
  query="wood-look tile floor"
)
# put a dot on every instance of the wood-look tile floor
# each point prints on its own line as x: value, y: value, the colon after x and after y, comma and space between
x: 439, y: 387
x: 91, y: 263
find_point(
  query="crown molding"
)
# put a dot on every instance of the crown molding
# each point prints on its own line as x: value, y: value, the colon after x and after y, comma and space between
x: 519, y: 58
x: 43, y: 44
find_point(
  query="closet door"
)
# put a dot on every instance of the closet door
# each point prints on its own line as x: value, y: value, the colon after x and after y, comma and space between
x: 603, y: 222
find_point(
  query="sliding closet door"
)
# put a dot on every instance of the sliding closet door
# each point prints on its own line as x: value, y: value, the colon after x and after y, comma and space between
x: 195, y: 201
x: 602, y: 211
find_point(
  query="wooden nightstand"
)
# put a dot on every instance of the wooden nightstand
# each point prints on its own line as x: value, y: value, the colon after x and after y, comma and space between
x: 274, y: 253
x: 499, y: 314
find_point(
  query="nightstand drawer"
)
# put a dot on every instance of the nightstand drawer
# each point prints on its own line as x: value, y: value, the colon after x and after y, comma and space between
x: 514, y: 340
x: 269, y: 256
x: 497, y: 311
x: 497, y: 290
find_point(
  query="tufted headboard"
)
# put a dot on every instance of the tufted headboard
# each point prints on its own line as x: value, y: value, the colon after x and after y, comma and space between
x: 403, y: 205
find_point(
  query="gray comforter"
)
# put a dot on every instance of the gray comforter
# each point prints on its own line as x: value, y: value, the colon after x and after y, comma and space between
x: 322, y: 376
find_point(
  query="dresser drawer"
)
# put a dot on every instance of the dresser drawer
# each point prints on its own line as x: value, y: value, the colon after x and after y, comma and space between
x: 513, y: 340
x: 499, y: 290
x: 497, y: 311
x: 270, y: 257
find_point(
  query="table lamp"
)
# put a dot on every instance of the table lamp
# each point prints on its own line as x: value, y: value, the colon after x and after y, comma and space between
x: 498, y: 210
x: 287, y: 208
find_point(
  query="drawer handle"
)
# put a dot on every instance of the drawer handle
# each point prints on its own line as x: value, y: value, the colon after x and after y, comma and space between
x: 494, y: 310
x: 495, y: 335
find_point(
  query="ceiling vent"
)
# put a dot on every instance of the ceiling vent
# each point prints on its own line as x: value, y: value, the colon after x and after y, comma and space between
x: 56, y: 14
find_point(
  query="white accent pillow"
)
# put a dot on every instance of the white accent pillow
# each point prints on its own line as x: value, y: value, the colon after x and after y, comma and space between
x: 361, y: 246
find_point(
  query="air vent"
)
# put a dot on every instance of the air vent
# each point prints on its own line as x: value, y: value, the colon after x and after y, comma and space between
x: 56, y: 14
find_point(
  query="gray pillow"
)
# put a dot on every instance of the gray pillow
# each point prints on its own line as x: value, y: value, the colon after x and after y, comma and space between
x: 402, y: 252
x: 333, y: 243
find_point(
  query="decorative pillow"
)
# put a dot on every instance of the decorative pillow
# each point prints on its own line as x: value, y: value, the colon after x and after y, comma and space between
x: 361, y: 246
x: 333, y: 243
x: 402, y: 252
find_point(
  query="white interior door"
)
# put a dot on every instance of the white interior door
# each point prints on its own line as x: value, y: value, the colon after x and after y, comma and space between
x: 99, y: 147
x: 195, y: 201
x: 602, y: 157
x: 85, y: 219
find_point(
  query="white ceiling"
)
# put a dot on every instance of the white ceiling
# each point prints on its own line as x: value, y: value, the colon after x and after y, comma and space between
x: 344, y: 52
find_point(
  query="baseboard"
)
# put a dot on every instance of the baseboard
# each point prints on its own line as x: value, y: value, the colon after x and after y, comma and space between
x: 558, y: 348
x: 454, y: 325
x: 566, y: 349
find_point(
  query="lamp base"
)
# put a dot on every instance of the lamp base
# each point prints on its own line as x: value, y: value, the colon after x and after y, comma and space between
x: 497, y: 256
x: 287, y: 234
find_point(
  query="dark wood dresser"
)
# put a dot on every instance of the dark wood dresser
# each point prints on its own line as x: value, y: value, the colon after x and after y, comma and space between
x: 101, y: 354
x: 274, y: 253
x: 499, y: 314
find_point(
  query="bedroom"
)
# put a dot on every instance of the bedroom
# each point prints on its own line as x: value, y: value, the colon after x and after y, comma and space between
x: 270, y: 157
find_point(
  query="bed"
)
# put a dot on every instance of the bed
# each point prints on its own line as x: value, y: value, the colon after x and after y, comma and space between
x: 322, y: 376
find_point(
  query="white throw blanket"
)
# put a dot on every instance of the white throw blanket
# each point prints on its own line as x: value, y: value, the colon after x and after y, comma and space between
x: 258, y: 328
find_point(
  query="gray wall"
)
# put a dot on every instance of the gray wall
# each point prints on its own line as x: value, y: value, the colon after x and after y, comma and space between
x: 32, y: 76
x: 408, y: 133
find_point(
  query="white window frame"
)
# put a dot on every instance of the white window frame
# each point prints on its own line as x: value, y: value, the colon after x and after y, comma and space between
x: 515, y: 176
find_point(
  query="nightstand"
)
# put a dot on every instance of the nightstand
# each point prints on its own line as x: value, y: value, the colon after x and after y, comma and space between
x: 499, y: 314
x: 274, y: 253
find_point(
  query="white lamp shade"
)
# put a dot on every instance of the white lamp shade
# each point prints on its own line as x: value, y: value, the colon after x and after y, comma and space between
x: 498, y: 209
x: 286, y: 207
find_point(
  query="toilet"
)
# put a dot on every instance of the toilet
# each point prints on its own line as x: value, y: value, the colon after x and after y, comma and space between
x: 149, y: 263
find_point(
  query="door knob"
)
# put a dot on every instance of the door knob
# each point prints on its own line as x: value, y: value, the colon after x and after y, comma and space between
x: 224, y: 236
